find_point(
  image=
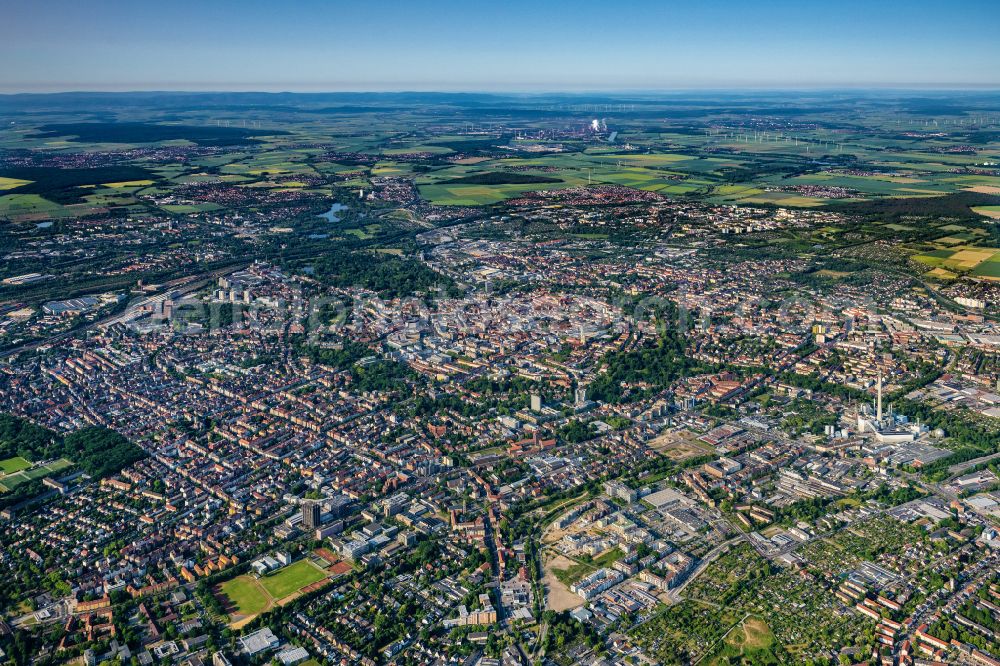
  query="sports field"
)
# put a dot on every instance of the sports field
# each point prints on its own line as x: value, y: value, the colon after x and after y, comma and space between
x: 291, y: 579
x: 18, y: 470
x: 15, y: 464
x: 247, y: 595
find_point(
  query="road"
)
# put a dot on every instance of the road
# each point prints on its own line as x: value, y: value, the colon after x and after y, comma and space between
x: 959, y: 468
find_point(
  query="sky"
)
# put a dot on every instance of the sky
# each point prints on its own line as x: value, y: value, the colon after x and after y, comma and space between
x: 505, y: 45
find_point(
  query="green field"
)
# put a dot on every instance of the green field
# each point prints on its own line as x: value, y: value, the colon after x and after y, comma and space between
x: 983, y: 262
x: 184, y: 209
x: 30, y: 205
x: 992, y: 212
x: 369, y: 232
x: 580, y: 569
x: 246, y: 595
x: 573, y: 573
x: 249, y: 595
x: 291, y: 579
x: 989, y: 269
x: 10, y: 480
x: 15, y: 464
x: 749, y: 640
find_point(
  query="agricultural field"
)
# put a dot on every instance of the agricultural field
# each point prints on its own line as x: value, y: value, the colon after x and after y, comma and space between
x: 704, y: 152
x: 30, y: 207
x: 981, y: 262
x: 992, y: 212
x: 12, y: 183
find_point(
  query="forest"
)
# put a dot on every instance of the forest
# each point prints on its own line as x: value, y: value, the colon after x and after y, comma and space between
x: 152, y: 132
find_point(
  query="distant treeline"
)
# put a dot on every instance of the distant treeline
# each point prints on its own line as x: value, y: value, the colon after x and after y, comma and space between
x: 151, y: 133
x: 501, y: 178
x: 473, y: 146
x: 64, y: 185
x: 955, y: 205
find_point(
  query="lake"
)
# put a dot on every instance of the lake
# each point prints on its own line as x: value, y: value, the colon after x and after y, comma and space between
x: 331, y: 214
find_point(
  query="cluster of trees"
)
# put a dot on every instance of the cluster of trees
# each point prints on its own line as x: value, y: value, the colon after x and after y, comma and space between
x: 955, y: 205
x: 211, y: 602
x: 517, y: 387
x: 806, y: 509
x: 576, y: 431
x: 752, y: 171
x: 20, y: 437
x: 672, y: 636
x: 959, y: 425
x: 501, y: 178
x: 99, y: 451
x: 348, y: 354
x: 212, y: 315
x: 806, y: 416
x: 381, y: 376
x: 948, y: 630
x: 22, y: 647
x: 564, y: 631
x: 152, y: 132
x: 424, y: 405
x: 815, y: 384
x: 388, y: 275
x: 657, y: 364
x: 894, y: 497
x: 812, y: 509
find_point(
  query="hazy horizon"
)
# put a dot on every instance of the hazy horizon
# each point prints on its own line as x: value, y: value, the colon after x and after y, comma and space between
x: 444, y: 45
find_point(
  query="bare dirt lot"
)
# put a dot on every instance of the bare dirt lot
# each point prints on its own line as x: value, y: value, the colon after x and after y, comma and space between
x: 557, y: 596
x: 680, y: 445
